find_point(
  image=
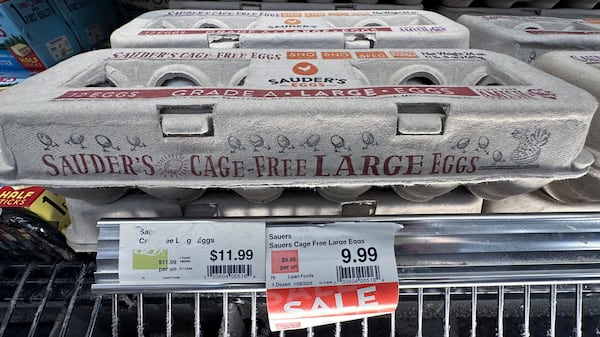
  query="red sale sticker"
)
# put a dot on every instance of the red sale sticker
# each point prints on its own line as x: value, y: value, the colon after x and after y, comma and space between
x: 294, y: 308
x: 329, y: 273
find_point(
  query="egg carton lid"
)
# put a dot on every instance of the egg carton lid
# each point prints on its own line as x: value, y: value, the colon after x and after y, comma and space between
x: 570, y: 13
x: 507, y: 150
x: 292, y: 29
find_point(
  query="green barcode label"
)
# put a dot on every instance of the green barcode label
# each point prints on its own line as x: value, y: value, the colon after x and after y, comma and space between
x: 150, y: 259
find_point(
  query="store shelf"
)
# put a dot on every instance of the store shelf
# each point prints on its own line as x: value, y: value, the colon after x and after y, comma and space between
x: 459, y: 250
x: 459, y: 275
x: 55, y: 300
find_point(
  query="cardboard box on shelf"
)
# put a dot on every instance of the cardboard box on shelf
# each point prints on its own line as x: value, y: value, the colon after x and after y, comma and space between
x: 47, y: 205
x: 92, y: 21
x: 33, y: 35
x: 32, y: 224
x: 11, y: 78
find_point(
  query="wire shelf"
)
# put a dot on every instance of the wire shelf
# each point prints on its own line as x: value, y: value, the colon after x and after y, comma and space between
x: 56, y: 300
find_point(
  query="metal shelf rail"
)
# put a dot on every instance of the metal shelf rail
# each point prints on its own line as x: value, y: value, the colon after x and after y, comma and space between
x: 449, y: 250
x: 45, y: 303
x: 500, y: 275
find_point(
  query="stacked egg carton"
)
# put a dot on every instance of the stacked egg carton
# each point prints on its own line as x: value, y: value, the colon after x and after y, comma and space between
x: 268, y: 122
x: 527, y: 38
x: 276, y: 29
x: 535, y: 202
x: 298, y: 5
x: 544, y: 41
x: 82, y: 236
x: 175, y: 122
x: 581, y: 69
x: 269, y: 29
x: 586, y: 4
x: 342, y: 29
x: 551, y: 8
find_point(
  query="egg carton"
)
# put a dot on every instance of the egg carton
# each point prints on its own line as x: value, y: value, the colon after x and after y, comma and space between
x: 571, y: 13
x: 584, y: 4
x: 504, y: 3
x: 545, y: 4
x: 175, y: 121
x: 301, y: 29
x: 583, y: 70
x: 536, y: 202
x: 82, y: 235
x: 288, y: 6
x: 527, y: 38
x: 297, y: 5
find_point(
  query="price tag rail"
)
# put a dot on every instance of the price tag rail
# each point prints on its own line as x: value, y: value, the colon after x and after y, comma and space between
x: 450, y: 250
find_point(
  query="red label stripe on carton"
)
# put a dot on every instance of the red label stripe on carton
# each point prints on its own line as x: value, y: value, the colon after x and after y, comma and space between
x: 262, y: 31
x: 125, y: 94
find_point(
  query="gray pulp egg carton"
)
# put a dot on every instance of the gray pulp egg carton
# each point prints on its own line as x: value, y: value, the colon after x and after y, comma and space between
x: 527, y: 38
x: 583, y: 70
x: 82, y: 235
x: 572, y: 13
x: 173, y: 121
x: 502, y: 3
x: 546, y: 4
x: 298, y: 5
x: 285, y: 29
x: 536, y: 202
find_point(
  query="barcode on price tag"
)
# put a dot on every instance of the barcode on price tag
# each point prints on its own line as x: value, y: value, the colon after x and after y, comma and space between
x: 191, y: 252
x: 331, y: 272
x: 357, y: 273
x: 229, y: 270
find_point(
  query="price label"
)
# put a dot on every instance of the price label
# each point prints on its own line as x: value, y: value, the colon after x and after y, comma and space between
x: 328, y: 273
x: 192, y: 252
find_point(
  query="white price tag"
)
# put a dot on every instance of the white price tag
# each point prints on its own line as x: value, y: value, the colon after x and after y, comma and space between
x: 323, y: 274
x: 192, y: 252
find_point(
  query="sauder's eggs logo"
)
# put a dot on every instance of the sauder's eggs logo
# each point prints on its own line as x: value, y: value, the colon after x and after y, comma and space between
x: 306, y: 70
x: 293, y: 23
